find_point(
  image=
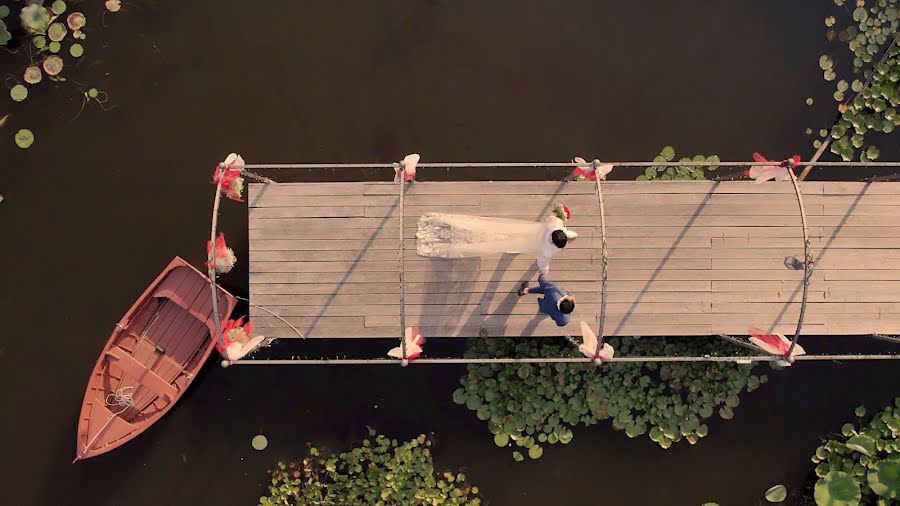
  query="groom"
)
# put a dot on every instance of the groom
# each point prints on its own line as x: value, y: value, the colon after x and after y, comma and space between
x: 555, y: 303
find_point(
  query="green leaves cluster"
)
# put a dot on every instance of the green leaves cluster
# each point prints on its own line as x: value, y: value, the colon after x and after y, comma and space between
x: 664, y: 173
x: 531, y: 405
x: 862, y: 465
x: 875, y: 109
x: 381, y: 471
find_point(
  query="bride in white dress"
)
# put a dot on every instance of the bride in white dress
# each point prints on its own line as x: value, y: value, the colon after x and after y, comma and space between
x: 461, y: 236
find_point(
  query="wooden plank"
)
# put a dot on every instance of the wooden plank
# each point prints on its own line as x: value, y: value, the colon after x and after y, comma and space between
x: 544, y: 329
x: 823, y: 262
x: 305, y: 189
x: 817, y: 308
x: 486, y: 188
x: 519, y: 263
x: 858, y: 188
x: 370, y: 243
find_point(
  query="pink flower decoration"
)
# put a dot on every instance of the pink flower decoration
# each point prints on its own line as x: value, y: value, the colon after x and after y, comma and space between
x: 414, y: 341
x: 778, y: 171
x: 775, y: 344
x: 238, y: 342
x: 223, y: 257
x: 408, y: 166
x: 232, y: 182
x: 589, y: 346
x: 585, y: 170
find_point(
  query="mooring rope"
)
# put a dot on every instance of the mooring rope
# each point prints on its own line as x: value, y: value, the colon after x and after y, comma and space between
x: 604, y: 262
x: 807, y: 264
x: 123, y: 398
x: 300, y: 334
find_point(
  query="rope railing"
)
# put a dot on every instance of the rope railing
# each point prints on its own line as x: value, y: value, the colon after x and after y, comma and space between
x: 604, y: 262
x: 403, y: 361
x: 567, y: 360
x: 807, y: 263
x: 450, y: 165
x: 211, y: 260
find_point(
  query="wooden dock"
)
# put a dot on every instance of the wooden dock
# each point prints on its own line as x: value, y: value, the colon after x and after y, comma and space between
x: 685, y: 258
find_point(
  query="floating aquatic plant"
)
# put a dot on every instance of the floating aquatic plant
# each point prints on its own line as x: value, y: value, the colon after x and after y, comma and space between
x: 76, y: 50
x: 32, y: 75
x: 379, y: 471
x: 778, y: 493
x: 5, y: 36
x: 24, y: 138
x: 18, y: 93
x: 862, y: 465
x: 57, y: 32
x: 113, y: 5
x: 53, y: 65
x: 530, y: 405
x: 58, y: 7
x: 666, y: 173
x: 873, y: 59
x: 76, y: 21
x: 259, y: 442
x: 35, y: 18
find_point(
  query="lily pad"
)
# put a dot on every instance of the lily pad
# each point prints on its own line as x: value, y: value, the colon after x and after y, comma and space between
x: 76, y: 50
x: 884, y: 478
x: 33, y: 75
x: 4, y: 11
x: 825, y: 62
x: 24, y: 138
x: 54, y: 47
x: 518, y: 457
x: 259, y: 442
x: 860, y: 411
x: 837, y: 488
x: 58, y: 7
x: 35, y: 18
x: 501, y: 439
x: 778, y: 493
x: 809, y: 101
x: 39, y: 42
x: 76, y: 20
x: 57, y: 32
x: 53, y: 65
x: 113, y: 5
x: 535, y: 451
x: 18, y: 93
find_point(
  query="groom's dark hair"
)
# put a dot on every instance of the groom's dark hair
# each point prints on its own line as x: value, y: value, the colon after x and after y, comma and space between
x: 559, y: 238
x: 567, y: 306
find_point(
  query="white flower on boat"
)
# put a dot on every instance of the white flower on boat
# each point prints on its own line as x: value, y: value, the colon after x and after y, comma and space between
x: 409, y: 168
x: 589, y: 346
x: 414, y: 342
x: 774, y: 344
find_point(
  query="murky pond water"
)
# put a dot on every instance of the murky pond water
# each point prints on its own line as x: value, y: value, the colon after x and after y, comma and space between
x: 99, y: 205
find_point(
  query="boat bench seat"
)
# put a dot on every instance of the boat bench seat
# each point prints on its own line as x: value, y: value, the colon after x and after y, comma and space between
x: 147, y: 378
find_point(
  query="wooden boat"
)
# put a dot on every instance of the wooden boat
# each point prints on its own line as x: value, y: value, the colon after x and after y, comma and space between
x: 150, y: 360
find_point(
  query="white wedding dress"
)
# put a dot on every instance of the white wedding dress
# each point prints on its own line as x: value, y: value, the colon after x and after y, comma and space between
x: 461, y: 236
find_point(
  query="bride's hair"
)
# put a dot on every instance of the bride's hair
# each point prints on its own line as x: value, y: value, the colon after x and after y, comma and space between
x: 559, y: 238
x: 567, y: 305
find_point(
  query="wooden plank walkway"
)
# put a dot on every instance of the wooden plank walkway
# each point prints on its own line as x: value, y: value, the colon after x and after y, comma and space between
x: 685, y: 258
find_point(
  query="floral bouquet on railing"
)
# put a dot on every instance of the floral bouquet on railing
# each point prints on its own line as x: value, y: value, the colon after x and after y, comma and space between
x: 562, y: 212
x: 238, y: 342
x: 223, y: 257
x: 232, y: 182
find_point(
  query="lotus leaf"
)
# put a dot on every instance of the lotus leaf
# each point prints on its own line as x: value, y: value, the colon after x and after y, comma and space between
x: 778, y: 493
x: 884, y: 477
x: 35, y: 18
x: 259, y: 442
x: 32, y: 75
x: 18, y: 93
x: 24, y: 138
x: 53, y: 65
x: 837, y: 488
x: 5, y: 36
x: 57, y: 32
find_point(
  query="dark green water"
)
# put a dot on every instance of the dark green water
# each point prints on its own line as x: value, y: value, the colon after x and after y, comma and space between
x: 98, y: 206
